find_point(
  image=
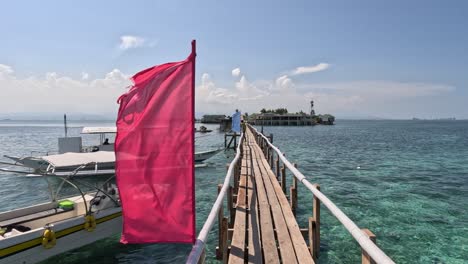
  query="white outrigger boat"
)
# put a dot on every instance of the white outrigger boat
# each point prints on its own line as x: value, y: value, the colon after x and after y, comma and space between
x: 33, y: 234
x: 98, y: 160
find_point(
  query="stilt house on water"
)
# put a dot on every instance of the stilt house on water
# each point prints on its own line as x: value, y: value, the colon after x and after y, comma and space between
x: 271, y: 119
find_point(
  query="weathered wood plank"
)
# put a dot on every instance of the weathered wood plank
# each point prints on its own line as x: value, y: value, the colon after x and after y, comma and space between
x: 284, y: 240
x: 265, y: 229
x: 254, y: 244
x: 270, y: 248
x: 237, y: 253
x: 300, y: 246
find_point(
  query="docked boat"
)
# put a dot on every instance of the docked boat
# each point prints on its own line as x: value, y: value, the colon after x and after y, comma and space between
x: 35, y: 233
x: 203, y: 129
x: 97, y: 160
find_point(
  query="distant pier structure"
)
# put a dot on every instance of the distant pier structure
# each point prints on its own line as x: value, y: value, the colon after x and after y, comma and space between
x: 212, y: 119
x: 272, y: 119
x: 281, y: 117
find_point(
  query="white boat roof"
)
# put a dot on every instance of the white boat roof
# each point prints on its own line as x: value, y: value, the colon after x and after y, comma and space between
x: 98, y: 130
x: 70, y: 159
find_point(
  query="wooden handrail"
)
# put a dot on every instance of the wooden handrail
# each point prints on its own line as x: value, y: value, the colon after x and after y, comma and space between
x: 199, y: 245
x: 366, y: 244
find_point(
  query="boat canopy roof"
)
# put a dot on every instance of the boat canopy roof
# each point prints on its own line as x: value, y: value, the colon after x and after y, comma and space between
x: 98, y: 130
x: 71, y: 159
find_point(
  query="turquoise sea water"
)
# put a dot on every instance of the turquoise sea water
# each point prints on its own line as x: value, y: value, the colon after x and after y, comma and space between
x: 406, y: 181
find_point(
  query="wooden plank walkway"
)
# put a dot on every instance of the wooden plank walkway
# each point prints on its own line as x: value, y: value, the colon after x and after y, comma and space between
x: 265, y: 229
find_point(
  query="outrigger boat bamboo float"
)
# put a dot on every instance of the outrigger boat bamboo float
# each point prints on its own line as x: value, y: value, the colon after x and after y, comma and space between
x: 35, y: 233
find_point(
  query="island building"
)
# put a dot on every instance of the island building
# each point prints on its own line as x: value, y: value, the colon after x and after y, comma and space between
x: 272, y: 119
x: 284, y: 119
x: 291, y: 119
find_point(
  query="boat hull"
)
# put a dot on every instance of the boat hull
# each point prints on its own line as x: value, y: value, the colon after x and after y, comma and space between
x: 70, y: 234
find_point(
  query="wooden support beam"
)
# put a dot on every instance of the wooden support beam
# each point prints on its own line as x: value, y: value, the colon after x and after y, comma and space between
x: 316, y: 216
x: 366, y: 259
x: 313, y: 237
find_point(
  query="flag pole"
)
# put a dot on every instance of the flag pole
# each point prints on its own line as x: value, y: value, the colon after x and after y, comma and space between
x: 194, y: 54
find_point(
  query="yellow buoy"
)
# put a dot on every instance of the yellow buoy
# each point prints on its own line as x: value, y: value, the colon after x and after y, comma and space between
x: 48, y: 238
x: 90, y: 223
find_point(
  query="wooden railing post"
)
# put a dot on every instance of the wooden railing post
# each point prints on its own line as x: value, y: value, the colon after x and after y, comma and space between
x: 277, y: 166
x: 224, y: 239
x: 366, y: 259
x: 235, y: 178
x: 316, y: 216
x: 293, y: 199
x: 294, y: 178
x: 283, y: 178
x: 238, y: 168
x: 220, y: 227
x: 271, y: 158
x: 312, y: 237
x: 293, y: 193
x: 231, y: 208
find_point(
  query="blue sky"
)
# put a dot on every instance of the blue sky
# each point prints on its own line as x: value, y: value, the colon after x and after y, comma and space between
x: 391, y: 59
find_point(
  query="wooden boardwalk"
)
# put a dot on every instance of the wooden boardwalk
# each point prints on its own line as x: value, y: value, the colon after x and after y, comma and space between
x: 264, y: 229
x: 261, y: 225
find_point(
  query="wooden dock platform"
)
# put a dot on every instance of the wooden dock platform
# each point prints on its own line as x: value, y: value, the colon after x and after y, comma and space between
x: 264, y: 229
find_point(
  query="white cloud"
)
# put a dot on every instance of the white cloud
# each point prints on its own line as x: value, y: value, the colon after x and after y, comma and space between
x: 310, y: 69
x: 236, y: 72
x: 284, y: 84
x: 129, y: 42
x: 368, y: 97
x: 55, y: 93
x: 5, y: 71
x: 84, y: 76
x: 208, y: 93
x: 382, y: 88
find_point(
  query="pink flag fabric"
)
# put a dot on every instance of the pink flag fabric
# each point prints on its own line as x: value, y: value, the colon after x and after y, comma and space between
x: 154, y: 151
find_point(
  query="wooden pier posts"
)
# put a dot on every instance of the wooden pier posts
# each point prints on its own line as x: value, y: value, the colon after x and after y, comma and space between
x: 277, y: 167
x: 262, y: 173
x: 223, y: 247
x: 230, y: 140
x: 283, y: 178
x: 366, y: 259
x: 315, y: 246
x: 293, y: 193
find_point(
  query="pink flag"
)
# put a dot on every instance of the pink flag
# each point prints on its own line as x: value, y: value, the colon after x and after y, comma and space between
x: 154, y: 152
